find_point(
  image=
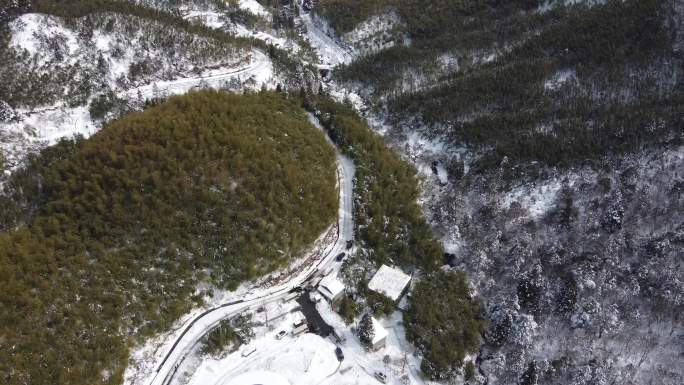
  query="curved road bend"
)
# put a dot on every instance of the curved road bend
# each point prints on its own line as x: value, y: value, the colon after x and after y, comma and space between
x: 204, y: 322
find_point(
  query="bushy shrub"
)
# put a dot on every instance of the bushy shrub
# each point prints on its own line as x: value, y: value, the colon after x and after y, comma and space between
x: 348, y: 309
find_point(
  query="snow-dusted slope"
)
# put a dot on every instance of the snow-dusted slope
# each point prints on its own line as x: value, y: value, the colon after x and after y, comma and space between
x: 254, y: 7
x: 136, y: 59
x: 45, y: 126
x: 375, y: 34
x: 119, y: 51
x: 330, y: 49
x: 595, y: 244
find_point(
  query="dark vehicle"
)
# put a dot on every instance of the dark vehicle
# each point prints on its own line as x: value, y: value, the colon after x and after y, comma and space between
x: 340, y: 256
x: 380, y: 376
x: 281, y: 334
x: 350, y: 243
x: 339, y: 354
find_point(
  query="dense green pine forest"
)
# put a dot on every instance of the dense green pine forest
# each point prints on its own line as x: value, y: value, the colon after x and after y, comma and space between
x: 106, y: 238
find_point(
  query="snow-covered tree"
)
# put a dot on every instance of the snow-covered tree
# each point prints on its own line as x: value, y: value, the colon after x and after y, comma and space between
x: 6, y: 112
x: 366, y: 331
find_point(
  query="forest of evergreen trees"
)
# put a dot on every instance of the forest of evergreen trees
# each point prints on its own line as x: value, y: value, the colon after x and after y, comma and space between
x: 622, y: 90
x: 529, y: 94
x: 388, y: 219
x: 106, y: 238
x: 443, y: 320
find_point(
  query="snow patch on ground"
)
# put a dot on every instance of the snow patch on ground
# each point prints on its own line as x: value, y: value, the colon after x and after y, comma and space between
x: 420, y: 144
x: 254, y: 7
x: 485, y: 58
x: 451, y: 245
x: 448, y: 62
x: 423, y: 152
x: 537, y: 200
x: 31, y: 32
x: 258, y: 377
x: 280, y: 42
x: 559, y: 78
x: 329, y: 48
x: 208, y: 18
x: 375, y: 34
x: 257, y: 69
x: 307, y: 359
x: 551, y: 4
x: 352, y: 97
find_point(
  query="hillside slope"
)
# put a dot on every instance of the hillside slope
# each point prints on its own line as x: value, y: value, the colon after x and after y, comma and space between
x: 107, y: 238
x: 69, y: 66
x: 549, y: 134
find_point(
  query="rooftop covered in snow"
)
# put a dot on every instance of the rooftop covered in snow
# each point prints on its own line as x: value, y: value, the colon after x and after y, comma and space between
x: 389, y: 281
x: 331, y: 287
x: 379, y: 332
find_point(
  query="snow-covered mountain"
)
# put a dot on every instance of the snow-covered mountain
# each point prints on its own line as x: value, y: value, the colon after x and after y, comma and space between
x: 577, y: 262
x: 547, y: 134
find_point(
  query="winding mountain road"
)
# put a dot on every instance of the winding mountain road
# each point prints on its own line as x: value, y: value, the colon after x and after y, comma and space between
x: 199, y: 326
x: 258, y: 67
x: 40, y: 127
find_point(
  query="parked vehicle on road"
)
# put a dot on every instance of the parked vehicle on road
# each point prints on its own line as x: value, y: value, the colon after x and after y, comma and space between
x: 339, y: 354
x: 380, y: 376
x: 340, y: 256
x: 281, y: 334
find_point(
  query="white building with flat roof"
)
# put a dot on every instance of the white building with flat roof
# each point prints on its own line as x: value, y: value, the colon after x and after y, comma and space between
x: 299, y: 325
x: 390, y: 281
x: 331, y: 288
x: 379, y: 335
